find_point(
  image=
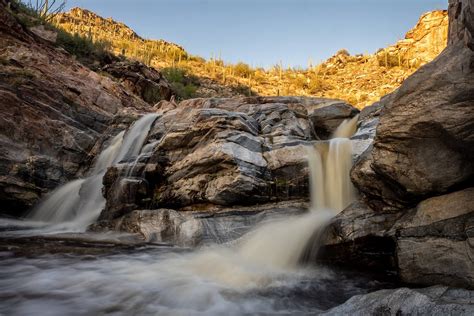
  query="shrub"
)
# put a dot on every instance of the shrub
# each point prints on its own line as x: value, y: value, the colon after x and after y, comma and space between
x: 317, y: 85
x: 242, y: 70
x: 181, y: 82
x: 85, y: 49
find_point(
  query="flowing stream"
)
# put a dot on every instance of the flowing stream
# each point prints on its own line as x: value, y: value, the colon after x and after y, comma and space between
x: 258, y: 273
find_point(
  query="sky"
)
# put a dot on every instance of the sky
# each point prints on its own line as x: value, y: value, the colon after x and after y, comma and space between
x: 264, y: 32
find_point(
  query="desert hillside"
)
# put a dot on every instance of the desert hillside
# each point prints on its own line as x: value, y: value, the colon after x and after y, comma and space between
x: 357, y: 79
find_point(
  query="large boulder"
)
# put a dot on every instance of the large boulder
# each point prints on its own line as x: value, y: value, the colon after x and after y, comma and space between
x: 429, y: 244
x: 211, y: 225
x: 437, y: 300
x: 239, y: 151
x: 436, y: 244
x: 328, y: 114
x: 54, y: 110
x: 424, y: 144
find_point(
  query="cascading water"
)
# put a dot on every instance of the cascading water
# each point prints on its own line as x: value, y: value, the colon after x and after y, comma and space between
x: 283, y: 243
x: 330, y: 164
x: 78, y: 203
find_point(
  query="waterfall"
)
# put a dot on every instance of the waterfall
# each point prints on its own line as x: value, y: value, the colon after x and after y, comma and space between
x: 78, y: 203
x: 330, y: 165
x: 283, y: 243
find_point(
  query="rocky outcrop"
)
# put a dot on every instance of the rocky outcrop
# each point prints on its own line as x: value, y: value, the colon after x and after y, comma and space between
x: 416, y: 178
x: 146, y: 82
x: 326, y: 119
x: 437, y: 300
x: 223, y: 152
x: 421, y: 44
x: 424, y: 143
x: 54, y: 110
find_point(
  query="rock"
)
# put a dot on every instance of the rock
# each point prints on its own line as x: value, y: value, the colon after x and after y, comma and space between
x: 227, y: 152
x: 144, y: 81
x: 358, y: 238
x: 430, y: 244
x: 193, y: 226
x: 424, y: 144
x: 328, y: 115
x: 437, y: 300
x: 436, y: 244
x: 366, y: 129
x: 162, y: 225
x: 54, y: 111
x: 45, y: 34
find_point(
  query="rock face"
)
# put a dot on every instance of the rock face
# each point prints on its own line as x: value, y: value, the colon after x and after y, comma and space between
x: 416, y: 178
x: 436, y: 300
x: 424, y: 144
x: 223, y: 152
x: 54, y: 111
x: 435, y: 245
x: 141, y: 80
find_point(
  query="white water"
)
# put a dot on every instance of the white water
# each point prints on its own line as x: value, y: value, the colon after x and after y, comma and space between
x: 77, y: 204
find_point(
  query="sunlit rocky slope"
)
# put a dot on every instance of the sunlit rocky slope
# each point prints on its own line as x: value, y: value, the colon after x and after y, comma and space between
x: 358, y: 79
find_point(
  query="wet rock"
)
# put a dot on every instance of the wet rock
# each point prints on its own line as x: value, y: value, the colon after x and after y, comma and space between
x: 328, y: 115
x: 144, y: 81
x: 437, y: 300
x: 358, y: 220
x: 198, y: 224
x: 162, y: 225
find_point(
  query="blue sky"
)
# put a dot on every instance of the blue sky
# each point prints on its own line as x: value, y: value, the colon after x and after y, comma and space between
x: 263, y: 32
